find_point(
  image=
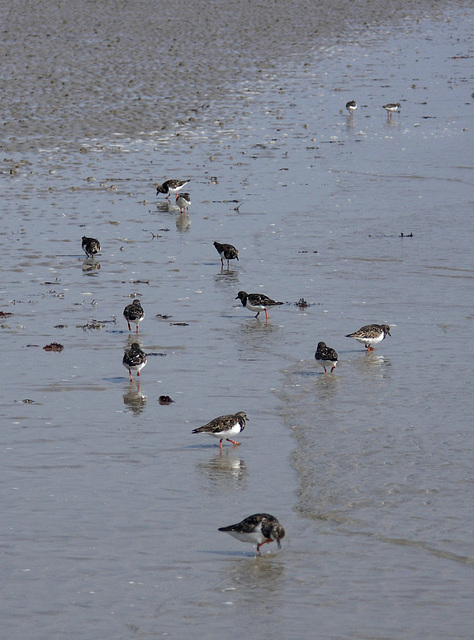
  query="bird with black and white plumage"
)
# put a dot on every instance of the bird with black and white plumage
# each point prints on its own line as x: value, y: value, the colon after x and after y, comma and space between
x: 256, y: 302
x: 370, y: 335
x: 183, y: 200
x: 170, y: 186
x: 226, y: 252
x: 326, y: 357
x: 90, y: 246
x: 351, y: 106
x: 391, y: 107
x: 134, y: 313
x: 257, y: 529
x: 134, y: 359
x: 224, y: 426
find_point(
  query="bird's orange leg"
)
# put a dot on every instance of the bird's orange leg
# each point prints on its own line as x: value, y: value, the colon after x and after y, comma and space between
x: 261, y: 545
x: 237, y: 444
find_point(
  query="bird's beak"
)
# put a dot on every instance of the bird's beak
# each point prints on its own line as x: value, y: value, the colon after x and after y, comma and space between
x: 278, y: 543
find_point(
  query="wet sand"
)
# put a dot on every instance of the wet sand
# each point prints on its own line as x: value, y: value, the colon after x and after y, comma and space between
x: 81, y: 70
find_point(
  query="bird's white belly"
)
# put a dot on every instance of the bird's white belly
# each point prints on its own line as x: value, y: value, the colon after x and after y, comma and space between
x: 255, y: 307
x: 254, y: 537
x: 233, y: 431
x: 371, y: 341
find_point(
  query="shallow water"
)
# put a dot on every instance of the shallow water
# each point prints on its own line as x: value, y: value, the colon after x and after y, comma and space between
x: 111, y: 506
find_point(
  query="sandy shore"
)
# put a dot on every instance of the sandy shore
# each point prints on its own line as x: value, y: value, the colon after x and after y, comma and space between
x: 75, y: 70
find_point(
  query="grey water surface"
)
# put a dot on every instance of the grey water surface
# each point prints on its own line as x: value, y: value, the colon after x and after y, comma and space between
x: 110, y: 506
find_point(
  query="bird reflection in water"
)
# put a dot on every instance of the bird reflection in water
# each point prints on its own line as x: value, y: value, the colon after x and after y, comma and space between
x: 374, y: 365
x: 227, y: 277
x: 90, y: 265
x: 183, y: 222
x: 134, y: 399
x: 225, y: 471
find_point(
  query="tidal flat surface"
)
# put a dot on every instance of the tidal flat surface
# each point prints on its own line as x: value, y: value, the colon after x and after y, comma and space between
x: 110, y: 505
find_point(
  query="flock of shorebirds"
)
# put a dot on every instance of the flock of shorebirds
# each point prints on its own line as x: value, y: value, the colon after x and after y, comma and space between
x: 390, y: 107
x: 259, y: 528
x: 168, y: 187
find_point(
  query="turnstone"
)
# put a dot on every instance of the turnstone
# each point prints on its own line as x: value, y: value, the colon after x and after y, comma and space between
x: 351, y: 106
x: 225, y: 426
x: 256, y: 302
x: 134, y: 359
x: 133, y: 313
x: 227, y: 252
x: 171, y: 186
x: 91, y: 246
x: 326, y: 357
x: 259, y: 529
x: 371, y: 334
x: 391, y: 107
x: 183, y: 200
